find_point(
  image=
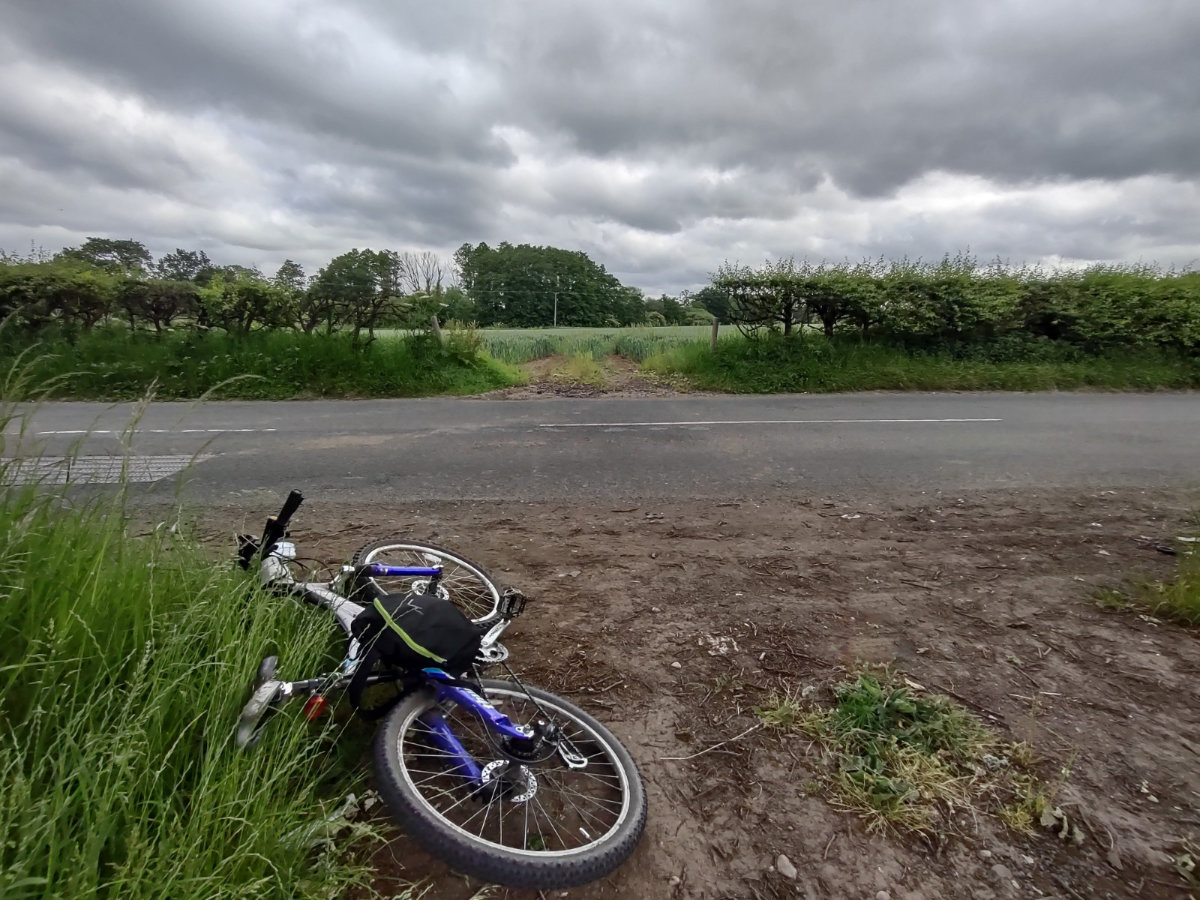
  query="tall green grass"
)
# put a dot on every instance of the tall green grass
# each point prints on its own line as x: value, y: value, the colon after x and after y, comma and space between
x: 124, y: 660
x: 111, y: 364
x: 812, y: 363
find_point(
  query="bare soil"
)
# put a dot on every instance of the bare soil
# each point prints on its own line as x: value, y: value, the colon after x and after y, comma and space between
x: 618, y: 377
x: 989, y: 597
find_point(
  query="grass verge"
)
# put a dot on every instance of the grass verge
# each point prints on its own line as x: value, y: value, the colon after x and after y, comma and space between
x: 111, y: 364
x: 813, y: 364
x: 910, y: 760
x: 125, y: 661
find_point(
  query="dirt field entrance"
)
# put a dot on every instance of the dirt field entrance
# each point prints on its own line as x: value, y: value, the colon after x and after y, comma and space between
x: 672, y: 621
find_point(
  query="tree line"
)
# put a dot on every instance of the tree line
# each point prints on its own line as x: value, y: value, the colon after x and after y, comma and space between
x: 105, y: 280
x: 958, y: 303
x: 955, y: 302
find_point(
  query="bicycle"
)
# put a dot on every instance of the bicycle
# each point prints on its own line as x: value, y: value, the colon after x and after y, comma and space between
x: 459, y: 757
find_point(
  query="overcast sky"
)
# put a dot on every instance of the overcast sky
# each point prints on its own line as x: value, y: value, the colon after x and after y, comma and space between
x: 662, y: 137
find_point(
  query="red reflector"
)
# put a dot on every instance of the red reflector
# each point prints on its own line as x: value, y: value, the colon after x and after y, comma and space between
x: 314, y: 706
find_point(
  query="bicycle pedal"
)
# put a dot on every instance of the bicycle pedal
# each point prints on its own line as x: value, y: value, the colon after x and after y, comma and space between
x: 512, y: 603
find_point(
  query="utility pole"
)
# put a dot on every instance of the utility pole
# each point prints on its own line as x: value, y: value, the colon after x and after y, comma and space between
x: 555, y: 301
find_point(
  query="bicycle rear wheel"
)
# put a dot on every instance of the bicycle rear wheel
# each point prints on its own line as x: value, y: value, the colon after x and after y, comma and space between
x: 465, y: 583
x: 538, y: 824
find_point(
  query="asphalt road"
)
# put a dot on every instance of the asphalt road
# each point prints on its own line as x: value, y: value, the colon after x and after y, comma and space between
x: 688, y: 447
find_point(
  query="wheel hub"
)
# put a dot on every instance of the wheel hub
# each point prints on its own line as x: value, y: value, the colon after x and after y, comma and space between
x: 519, y: 786
x: 422, y: 587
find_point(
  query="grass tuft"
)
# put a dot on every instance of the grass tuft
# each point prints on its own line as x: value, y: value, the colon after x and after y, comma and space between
x: 1179, y: 598
x: 782, y: 710
x: 580, y: 368
x: 907, y: 759
x: 1176, y: 599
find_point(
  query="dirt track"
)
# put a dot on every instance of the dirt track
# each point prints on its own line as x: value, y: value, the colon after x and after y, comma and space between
x: 988, y: 596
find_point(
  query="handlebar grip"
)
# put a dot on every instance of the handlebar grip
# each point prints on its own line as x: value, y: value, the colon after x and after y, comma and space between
x: 277, y: 525
x: 290, y: 505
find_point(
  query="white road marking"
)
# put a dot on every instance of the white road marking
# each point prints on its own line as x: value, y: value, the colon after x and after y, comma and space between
x: 758, y: 422
x: 94, y: 469
x: 162, y: 431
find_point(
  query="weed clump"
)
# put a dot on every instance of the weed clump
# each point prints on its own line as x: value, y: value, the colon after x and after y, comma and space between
x: 908, y: 759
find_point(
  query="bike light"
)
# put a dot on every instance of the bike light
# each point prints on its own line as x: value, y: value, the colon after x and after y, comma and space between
x: 314, y: 706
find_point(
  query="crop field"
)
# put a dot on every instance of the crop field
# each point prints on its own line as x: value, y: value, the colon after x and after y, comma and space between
x: 519, y: 345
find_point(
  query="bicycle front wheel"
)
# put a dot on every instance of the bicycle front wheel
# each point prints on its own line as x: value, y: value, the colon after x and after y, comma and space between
x: 463, y: 582
x: 539, y: 824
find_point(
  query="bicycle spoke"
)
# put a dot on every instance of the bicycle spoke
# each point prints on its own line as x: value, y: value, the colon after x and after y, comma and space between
x: 586, y: 818
x: 562, y: 789
x: 550, y: 821
x: 567, y: 809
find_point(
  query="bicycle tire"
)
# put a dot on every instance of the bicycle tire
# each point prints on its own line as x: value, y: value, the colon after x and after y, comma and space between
x: 467, y: 584
x: 403, y: 766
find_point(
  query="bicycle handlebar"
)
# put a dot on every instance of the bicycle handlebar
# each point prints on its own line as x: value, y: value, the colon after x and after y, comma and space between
x: 290, y: 505
x: 276, y: 526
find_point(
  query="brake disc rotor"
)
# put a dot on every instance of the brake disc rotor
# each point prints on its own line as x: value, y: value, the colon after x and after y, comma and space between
x: 520, y: 788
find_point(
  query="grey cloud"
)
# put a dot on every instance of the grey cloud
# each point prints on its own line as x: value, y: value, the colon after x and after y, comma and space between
x: 773, y: 127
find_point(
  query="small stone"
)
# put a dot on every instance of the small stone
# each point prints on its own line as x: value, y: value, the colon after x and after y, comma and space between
x: 675, y: 880
x: 1001, y: 872
x: 785, y: 867
x: 676, y: 665
x: 655, y: 609
x: 985, y: 854
x: 1028, y: 860
x: 883, y: 895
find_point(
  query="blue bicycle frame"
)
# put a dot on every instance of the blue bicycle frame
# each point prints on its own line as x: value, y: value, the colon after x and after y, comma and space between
x: 403, y: 571
x: 446, y: 689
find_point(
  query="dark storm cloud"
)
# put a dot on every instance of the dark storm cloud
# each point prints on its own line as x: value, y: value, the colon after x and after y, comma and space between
x: 879, y: 93
x: 661, y: 137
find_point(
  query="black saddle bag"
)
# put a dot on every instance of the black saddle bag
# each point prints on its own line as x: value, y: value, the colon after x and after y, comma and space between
x: 407, y: 632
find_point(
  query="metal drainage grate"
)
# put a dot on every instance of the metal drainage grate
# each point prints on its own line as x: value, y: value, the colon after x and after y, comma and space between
x: 94, y: 469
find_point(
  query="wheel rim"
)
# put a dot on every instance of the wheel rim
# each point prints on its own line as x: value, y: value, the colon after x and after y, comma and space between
x: 566, y: 812
x: 462, y: 583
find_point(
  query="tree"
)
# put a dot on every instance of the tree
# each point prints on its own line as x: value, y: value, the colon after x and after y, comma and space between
x: 528, y: 286
x: 235, y: 271
x: 420, y: 273
x: 63, y: 291
x: 242, y: 303
x: 307, y: 309
x: 185, y: 265
x: 458, y: 306
x: 673, y: 311
x: 290, y: 277
x: 715, y: 300
x: 362, y: 288
x: 158, y: 302
x: 120, y: 257
x: 762, y: 298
